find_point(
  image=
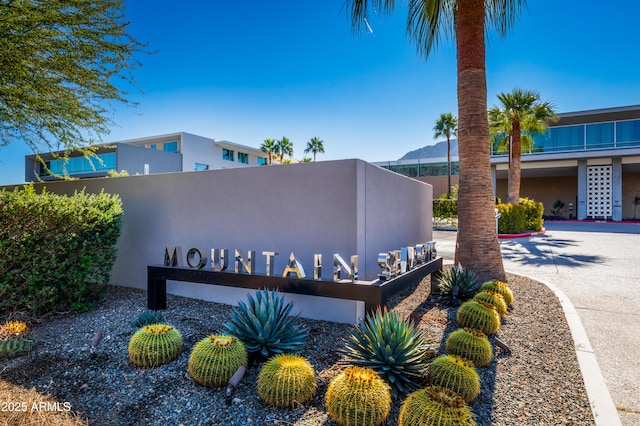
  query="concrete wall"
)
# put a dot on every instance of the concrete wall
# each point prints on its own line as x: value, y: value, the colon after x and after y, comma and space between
x: 546, y: 190
x: 133, y: 158
x: 439, y: 183
x: 346, y: 207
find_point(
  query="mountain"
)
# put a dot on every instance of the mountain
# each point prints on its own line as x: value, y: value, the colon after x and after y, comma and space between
x: 439, y: 150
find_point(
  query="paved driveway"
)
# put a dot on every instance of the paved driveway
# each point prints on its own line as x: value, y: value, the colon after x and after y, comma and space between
x: 597, y: 265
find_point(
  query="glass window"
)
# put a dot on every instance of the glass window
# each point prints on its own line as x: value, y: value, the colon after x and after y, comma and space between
x: 227, y: 154
x: 262, y: 161
x: 79, y: 165
x: 171, y: 146
x: 600, y: 135
x: 243, y: 158
x: 628, y: 133
x: 200, y: 166
x: 153, y: 146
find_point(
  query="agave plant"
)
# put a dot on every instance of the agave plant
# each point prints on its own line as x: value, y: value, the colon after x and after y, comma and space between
x: 457, y: 285
x: 265, y: 325
x: 392, y: 346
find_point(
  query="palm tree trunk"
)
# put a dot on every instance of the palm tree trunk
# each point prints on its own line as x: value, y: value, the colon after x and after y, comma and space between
x: 515, y: 158
x: 448, y: 167
x: 477, y: 245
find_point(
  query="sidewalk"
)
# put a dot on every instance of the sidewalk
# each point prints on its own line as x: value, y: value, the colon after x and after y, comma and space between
x: 596, y: 265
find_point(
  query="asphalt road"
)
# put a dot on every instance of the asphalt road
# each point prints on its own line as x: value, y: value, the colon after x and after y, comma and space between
x: 597, y: 265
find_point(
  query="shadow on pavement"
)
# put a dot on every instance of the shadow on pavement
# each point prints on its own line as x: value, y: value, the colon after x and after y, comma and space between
x: 544, y: 251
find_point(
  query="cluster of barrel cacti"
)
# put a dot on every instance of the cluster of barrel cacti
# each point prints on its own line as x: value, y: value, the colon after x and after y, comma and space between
x: 453, y: 378
x: 15, y: 339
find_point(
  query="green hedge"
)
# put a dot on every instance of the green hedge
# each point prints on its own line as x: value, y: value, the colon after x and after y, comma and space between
x: 527, y: 216
x: 445, y: 208
x: 57, y: 251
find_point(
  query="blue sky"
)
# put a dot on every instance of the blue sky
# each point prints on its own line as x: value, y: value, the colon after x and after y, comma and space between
x: 247, y: 71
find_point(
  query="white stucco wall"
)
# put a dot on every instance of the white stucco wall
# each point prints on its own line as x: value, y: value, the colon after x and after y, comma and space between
x: 347, y: 207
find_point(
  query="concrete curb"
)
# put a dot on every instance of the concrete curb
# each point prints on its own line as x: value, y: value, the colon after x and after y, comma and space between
x: 522, y: 235
x: 602, y: 406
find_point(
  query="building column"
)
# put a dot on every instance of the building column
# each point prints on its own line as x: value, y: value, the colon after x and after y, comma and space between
x: 493, y: 180
x: 616, y: 189
x: 581, y: 210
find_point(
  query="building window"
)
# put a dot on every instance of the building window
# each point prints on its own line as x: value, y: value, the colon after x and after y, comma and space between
x: 628, y: 133
x: 80, y: 165
x: 243, y: 158
x: 200, y: 166
x: 262, y: 161
x: 599, y: 135
x: 227, y: 154
x: 153, y: 146
x: 171, y: 146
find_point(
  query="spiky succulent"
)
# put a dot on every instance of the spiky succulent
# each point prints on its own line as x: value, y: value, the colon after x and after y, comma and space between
x: 358, y: 397
x: 287, y: 381
x: 15, y: 339
x: 435, y: 406
x: 479, y: 315
x: 148, y: 318
x: 470, y: 344
x: 154, y: 345
x: 265, y: 325
x: 457, y: 285
x: 215, y: 359
x: 455, y: 373
x: 493, y: 298
x: 499, y: 287
x: 393, y: 347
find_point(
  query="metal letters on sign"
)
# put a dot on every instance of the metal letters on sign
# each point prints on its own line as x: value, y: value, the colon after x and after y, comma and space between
x: 293, y: 266
x: 397, y: 262
x: 392, y: 263
x: 219, y: 259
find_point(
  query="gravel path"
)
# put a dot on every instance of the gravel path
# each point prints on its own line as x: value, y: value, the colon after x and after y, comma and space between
x: 539, y: 383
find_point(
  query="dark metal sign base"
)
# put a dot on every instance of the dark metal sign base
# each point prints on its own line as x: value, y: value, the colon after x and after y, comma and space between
x: 372, y: 294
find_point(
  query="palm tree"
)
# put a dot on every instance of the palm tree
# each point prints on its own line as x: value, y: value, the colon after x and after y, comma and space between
x: 315, y: 146
x: 477, y: 245
x: 285, y: 147
x: 447, y: 125
x: 270, y: 148
x: 521, y: 115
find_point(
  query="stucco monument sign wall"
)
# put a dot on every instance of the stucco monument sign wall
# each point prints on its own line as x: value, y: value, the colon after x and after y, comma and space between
x: 348, y: 207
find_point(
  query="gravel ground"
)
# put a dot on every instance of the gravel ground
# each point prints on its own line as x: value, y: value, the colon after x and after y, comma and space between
x: 539, y: 383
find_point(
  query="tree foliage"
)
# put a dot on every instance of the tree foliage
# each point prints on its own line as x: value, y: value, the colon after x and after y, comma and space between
x: 447, y: 126
x: 316, y: 146
x: 63, y: 66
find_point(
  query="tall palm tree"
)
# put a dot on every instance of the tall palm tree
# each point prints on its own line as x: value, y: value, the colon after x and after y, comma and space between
x: 521, y: 115
x: 477, y: 245
x: 447, y: 125
x: 315, y: 145
x: 270, y: 148
x: 285, y: 147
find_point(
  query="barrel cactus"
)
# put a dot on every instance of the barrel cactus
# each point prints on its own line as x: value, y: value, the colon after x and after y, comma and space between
x: 358, y: 397
x: 265, y: 325
x: 15, y: 339
x: 214, y: 359
x: 478, y: 315
x: 499, y: 287
x: 435, y: 406
x: 392, y: 346
x: 154, y: 345
x: 455, y: 373
x: 493, y: 298
x: 286, y: 381
x: 471, y: 345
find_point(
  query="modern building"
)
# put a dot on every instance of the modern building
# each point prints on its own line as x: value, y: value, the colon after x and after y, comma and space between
x: 176, y: 152
x: 589, y: 160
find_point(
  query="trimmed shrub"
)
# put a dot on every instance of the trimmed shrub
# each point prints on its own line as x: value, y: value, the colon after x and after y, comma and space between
x: 57, y: 250
x: 445, y: 208
x: 533, y: 213
x: 512, y: 219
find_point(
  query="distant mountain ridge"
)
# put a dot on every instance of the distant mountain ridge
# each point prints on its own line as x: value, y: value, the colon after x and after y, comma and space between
x: 432, y: 151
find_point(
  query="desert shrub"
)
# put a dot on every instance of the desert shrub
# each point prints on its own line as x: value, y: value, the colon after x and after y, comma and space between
x: 445, y: 208
x: 57, y: 250
x: 533, y: 213
x: 512, y: 219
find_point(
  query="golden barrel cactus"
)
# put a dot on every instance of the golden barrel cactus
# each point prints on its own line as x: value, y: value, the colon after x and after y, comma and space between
x: 286, y: 381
